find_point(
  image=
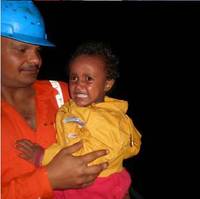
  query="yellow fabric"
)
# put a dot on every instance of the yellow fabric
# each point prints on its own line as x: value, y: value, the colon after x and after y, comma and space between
x: 106, y: 126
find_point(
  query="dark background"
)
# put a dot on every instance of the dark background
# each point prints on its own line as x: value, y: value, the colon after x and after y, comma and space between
x: 156, y: 45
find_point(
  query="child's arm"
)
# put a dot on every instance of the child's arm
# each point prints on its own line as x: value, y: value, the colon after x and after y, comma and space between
x: 51, y: 152
x: 30, y: 151
x: 135, y: 139
x: 36, y: 154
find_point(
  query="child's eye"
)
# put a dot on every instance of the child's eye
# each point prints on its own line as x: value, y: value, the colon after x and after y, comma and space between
x: 73, y: 78
x: 88, y: 78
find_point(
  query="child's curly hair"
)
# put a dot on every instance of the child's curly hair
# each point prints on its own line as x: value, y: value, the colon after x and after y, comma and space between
x: 100, y: 49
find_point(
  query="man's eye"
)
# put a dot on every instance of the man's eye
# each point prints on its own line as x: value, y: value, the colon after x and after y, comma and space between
x: 22, y: 50
x: 39, y: 51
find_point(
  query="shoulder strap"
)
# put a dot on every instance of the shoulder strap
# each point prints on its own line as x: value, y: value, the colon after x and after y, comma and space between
x: 59, y: 96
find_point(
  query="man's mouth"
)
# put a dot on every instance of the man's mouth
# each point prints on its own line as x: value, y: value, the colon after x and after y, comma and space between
x: 31, y: 69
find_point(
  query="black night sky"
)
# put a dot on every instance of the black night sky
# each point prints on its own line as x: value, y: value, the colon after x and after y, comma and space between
x: 154, y: 42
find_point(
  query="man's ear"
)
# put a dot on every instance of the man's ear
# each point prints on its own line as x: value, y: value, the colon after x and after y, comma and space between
x: 109, y: 84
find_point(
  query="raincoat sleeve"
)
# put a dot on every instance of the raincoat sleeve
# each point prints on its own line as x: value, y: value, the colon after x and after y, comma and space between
x: 61, y: 138
x: 51, y: 152
x: 135, y: 139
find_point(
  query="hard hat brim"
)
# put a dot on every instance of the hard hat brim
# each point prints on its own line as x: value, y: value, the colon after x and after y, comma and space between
x: 29, y: 39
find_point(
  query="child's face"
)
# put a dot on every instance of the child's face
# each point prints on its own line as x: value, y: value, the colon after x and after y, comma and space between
x: 87, y: 80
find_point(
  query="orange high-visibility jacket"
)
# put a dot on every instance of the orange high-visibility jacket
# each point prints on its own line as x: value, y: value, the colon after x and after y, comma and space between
x: 21, y: 179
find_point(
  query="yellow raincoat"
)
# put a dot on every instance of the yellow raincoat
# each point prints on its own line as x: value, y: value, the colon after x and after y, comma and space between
x: 102, y: 125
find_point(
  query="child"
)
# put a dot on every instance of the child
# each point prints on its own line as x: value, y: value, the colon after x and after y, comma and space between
x: 96, y: 119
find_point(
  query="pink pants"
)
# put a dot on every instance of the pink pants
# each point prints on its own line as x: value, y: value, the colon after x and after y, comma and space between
x: 114, y: 186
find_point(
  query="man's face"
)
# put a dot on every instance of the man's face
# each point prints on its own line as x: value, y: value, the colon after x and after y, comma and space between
x: 20, y: 63
x: 87, y: 80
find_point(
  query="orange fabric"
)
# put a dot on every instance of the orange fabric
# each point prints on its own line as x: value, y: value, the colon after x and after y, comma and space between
x: 20, y: 179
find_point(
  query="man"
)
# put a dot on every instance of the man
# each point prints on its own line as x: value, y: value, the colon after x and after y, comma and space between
x: 28, y: 111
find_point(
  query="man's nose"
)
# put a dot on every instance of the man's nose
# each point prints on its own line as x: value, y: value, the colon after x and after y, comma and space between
x: 34, y: 58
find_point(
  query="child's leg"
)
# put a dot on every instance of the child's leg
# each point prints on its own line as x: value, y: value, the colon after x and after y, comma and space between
x: 115, y: 186
x: 59, y: 195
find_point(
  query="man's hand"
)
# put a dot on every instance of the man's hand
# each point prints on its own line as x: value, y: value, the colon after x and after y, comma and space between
x: 66, y: 171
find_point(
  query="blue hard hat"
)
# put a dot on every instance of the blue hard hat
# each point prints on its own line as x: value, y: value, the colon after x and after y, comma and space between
x: 22, y: 21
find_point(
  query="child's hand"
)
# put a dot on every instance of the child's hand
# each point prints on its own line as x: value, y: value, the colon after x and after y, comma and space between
x: 30, y: 151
